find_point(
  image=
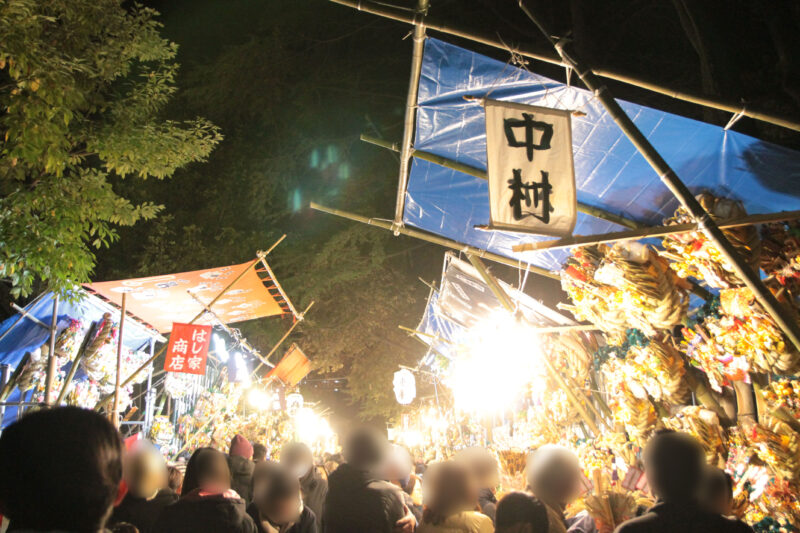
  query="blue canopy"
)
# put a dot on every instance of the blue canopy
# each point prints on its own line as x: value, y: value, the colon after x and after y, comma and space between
x: 610, y: 173
x: 25, y: 335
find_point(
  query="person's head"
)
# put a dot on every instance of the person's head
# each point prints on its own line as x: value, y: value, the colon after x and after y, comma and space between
x: 365, y: 448
x: 276, y: 493
x: 554, y: 475
x: 207, y: 470
x: 297, y: 458
x: 60, y: 469
x: 174, y: 479
x: 674, y: 463
x: 482, y: 464
x: 145, y: 471
x: 716, y: 493
x: 241, y: 447
x: 259, y: 453
x: 519, y: 512
x: 397, y: 467
x: 448, y: 489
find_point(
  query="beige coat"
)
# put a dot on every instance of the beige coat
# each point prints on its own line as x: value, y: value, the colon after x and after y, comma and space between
x: 465, y: 522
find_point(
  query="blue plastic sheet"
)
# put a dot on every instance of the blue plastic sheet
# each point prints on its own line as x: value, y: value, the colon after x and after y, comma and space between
x: 27, y: 336
x: 447, y: 332
x: 609, y: 171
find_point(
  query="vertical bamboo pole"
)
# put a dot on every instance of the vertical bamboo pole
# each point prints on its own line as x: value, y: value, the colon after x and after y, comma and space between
x: 120, y: 332
x: 411, y: 112
x: 51, y: 357
x: 674, y: 184
x: 149, y: 396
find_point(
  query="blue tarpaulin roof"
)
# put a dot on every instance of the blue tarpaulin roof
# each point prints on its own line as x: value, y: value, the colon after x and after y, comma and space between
x: 26, y: 335
x: 610, y: 173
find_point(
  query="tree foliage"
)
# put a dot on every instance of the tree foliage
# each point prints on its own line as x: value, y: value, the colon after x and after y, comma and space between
x: 82, y: 86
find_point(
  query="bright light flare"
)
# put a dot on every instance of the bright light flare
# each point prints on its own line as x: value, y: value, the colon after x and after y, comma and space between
x: 311, y: 427
x: 258, y: 399
x: 502, y: 362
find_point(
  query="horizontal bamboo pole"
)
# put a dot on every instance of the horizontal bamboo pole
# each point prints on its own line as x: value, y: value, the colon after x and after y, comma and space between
x: 656, y: 231
x: 479, y: 173
x: 730, y: 106
x: 434, y: 239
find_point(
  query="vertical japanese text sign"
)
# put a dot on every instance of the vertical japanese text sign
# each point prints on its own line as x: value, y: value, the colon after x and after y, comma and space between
x: 530, y: 169
x: 188, y: 349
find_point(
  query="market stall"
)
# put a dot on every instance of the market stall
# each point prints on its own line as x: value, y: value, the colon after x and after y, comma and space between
x: 681, y: 282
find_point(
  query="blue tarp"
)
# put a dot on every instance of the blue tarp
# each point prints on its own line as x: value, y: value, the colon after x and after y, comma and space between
x: 26, y: 335
x: 609, y: 171
x: 434, y: 324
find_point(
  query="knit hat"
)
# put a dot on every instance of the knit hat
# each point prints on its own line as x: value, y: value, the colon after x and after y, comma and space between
x: 241, y: 447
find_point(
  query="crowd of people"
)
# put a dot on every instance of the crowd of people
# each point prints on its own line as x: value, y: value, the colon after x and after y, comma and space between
x: 66, y: 470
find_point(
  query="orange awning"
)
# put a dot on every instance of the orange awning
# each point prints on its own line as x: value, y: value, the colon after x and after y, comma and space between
x: 162, y: 300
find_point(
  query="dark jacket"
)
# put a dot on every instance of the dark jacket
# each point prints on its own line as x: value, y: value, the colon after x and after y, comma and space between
x: 242, y: 476
x: 140, y: 512
x: 201, y: 512
x: 314, y: 489
x: 686, y: 518
x: 488, y: 503
x: 358, y: 502
x: 306, y: 524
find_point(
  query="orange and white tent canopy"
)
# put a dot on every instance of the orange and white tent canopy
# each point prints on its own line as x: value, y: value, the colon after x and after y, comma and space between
x: 162, y: 300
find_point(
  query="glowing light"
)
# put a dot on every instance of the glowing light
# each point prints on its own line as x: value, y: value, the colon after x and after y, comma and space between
x: 220, y: 348
x: 502, y: 361
x: 242, y: 373
x: 410, y: 437
x: 312, y: 428
x: 258, y: 399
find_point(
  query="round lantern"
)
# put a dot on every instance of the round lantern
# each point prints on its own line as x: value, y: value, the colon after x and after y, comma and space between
x: 405, y: 386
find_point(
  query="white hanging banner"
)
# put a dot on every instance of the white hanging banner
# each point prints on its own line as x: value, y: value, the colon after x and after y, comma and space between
x: 530, y: 169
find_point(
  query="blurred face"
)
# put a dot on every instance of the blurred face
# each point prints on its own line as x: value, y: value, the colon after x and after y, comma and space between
x: 283, y: 511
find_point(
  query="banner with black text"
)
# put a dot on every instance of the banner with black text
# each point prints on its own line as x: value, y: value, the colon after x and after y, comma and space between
x: 530, y: 169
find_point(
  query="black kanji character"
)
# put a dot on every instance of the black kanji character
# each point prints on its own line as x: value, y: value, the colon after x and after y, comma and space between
x: 530, y: 126
x: 521, y: 191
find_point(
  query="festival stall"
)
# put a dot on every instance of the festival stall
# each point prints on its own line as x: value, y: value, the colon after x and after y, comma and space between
x: 208, y: 387
x: 683, y: 280
x: 84, y: 337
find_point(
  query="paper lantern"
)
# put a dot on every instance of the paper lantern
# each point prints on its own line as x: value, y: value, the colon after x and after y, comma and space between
x: 405, y: 386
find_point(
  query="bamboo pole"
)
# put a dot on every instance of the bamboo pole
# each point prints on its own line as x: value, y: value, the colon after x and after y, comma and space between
x: 656, y: 231
x: 242, y: 342
x: 75, y: 364
x: 481, y: 174
x: 300, y: 318
x: 278, y: 286
x: 434, y: 239
x: 429, y: 335
x: 491, y: 281
x: 51, y: 357
x: 8, y: 388
x: 676, y: 187
x: 730, y: 106
x: 115, y: 409
x: 163, y: 349
x: 21, y: 314
x: 506, y: 303
x: 411, y: 112
x: 25, y: 314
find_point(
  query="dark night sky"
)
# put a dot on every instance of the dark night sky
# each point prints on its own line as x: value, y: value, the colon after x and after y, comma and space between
x: 349, y: 72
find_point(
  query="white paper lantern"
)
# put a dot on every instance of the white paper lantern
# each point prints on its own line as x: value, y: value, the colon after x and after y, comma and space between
x: 405, y: 386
